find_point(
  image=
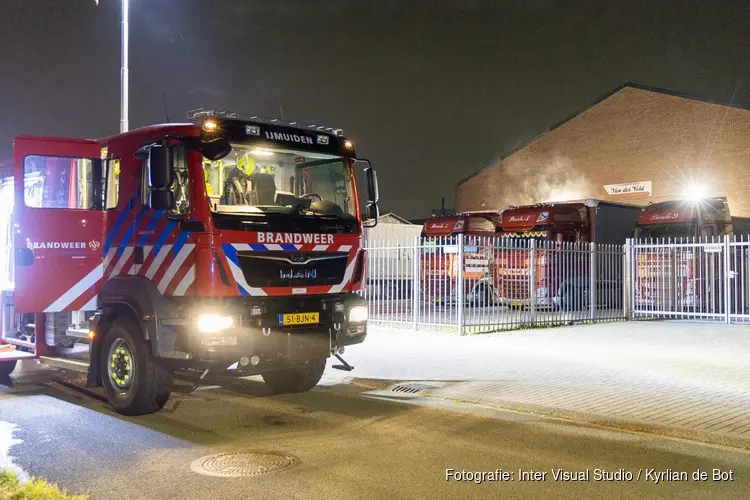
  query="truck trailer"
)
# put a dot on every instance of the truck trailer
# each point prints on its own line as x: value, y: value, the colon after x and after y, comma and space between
x: 227, y: 244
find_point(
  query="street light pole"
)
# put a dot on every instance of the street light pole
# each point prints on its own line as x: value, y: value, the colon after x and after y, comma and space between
x: 124, y: 122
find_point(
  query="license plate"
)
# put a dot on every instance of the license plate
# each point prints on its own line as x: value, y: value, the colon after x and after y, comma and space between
x: 299, y: 319
x: 516, y: 303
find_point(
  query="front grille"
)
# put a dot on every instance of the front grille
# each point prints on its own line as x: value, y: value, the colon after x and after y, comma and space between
x: 265, y: 269
x: 515, y: 290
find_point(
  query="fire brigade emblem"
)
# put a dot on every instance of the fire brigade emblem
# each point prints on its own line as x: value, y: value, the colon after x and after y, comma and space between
x: 94, y: 245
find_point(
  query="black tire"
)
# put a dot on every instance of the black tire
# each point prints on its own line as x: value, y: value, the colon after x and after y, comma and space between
x: 483, y: 296
x: 297, y: 379
x: 137, y: 385
x: 7, y: 367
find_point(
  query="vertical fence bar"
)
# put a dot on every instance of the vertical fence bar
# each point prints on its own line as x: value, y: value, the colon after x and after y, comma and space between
x: 532, y: 281
x: 726, y: 280
x: 628, y: 276
x: 415, y: 285
x: 460, y: 284
x: 592, y: 280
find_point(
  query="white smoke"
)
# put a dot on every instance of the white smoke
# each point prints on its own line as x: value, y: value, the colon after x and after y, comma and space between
x: 554, y: 180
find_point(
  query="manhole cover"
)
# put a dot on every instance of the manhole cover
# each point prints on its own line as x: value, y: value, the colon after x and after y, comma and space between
x: 253, y: 463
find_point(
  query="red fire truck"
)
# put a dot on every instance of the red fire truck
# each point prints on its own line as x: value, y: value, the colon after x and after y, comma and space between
x: 229, y: 244
x: 683, y: 276
x: 439, y: 257
x: 561, y: 277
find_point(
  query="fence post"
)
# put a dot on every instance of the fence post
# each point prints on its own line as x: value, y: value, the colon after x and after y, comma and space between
x: 627, y: 279
x: 416, y: 288
x: 592, y: 280
x: 460, y: 292
x: 727, y: 280
x: 532, y: 280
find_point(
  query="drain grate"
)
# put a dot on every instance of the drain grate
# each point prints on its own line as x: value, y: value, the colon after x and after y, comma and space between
x: 254, y: 463
x: 411, y: 388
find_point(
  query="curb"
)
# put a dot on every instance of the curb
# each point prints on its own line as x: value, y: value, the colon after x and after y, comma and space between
x: 634, y: 426
x: 611, y: 423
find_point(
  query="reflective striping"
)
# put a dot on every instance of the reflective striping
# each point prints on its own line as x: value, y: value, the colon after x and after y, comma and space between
x: 345, y: 248
x: 186, y: 281
x: 121, y: 261
x: 158, y: 259
x: 347, y: 277
x: 239, y: 278
x: 174, y: 267
x: 320, y: 248
x: 77, y: 290
x: 90, y: 305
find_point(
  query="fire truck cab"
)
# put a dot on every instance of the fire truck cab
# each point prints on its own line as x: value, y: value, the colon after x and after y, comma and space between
x: 228, y: 244
x: 555, y: 232
x: 440, y: 260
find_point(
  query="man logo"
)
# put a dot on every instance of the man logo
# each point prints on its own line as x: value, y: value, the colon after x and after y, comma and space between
x: 94, y: 245
x: 298, y: 257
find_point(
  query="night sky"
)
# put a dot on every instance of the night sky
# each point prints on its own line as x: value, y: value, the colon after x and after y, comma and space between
x: 429, y: 90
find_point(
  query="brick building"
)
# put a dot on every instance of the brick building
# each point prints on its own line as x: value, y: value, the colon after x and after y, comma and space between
x: 636, y: 144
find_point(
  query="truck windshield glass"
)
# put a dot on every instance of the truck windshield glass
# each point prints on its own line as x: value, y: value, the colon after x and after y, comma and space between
x: 674, y: 230
x: 252, y: 180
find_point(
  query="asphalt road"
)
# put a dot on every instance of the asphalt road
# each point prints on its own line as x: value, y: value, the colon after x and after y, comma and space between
x: 347, y: 444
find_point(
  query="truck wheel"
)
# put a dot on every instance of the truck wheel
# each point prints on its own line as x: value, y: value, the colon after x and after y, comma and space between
x: 133, y: 382
x: 7, y: 367
x: 483, y: 296
x: 297, y: 379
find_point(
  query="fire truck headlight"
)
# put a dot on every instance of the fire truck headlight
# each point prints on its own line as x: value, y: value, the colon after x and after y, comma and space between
x: 212, y: 323
x: 358, y: 314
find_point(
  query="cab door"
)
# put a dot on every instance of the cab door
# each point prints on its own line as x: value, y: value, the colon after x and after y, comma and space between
x: 58, y: 224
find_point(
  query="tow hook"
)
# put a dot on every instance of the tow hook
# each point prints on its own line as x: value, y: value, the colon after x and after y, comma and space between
x: 266, y: 331
x: 337, y: 326
x: 344, y: 366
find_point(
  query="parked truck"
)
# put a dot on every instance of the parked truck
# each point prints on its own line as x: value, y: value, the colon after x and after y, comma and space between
x: 440, y: 257
x: 541, y: 253
x: 390, y: 260
x: 229, y: 244
x: 688, y: 274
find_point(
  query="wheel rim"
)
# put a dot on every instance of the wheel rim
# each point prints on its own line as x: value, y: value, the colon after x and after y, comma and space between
x: 120, y: 366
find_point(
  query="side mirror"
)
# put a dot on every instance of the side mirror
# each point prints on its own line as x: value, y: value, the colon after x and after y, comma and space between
x: 216, y: 149
x: 159, y: 167
x: 372, y: 212
x: 159, y: 177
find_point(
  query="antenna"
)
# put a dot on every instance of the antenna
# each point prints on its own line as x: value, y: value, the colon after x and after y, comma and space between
x: 281, y: 111
x: 166, y: 110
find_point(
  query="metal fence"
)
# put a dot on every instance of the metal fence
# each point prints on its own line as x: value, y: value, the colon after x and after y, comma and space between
x: 471, y: 284
x: 700, y: 279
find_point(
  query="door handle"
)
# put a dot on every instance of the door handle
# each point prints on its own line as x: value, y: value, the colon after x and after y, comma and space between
x: 24, y: 257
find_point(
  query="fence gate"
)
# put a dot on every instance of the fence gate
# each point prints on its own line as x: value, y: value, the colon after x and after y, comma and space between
x: 705, y: 279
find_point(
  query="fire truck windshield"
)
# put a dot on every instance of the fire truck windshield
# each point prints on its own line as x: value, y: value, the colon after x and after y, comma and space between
x: 673, y: 230
x: 256, y: 181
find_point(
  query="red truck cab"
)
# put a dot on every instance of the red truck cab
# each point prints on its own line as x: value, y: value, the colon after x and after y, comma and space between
x: 440, y: 258
x: 559, y: 264
x: 227, y: 243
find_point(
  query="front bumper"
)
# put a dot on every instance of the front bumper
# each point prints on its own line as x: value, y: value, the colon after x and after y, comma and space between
x: 256, y: 332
